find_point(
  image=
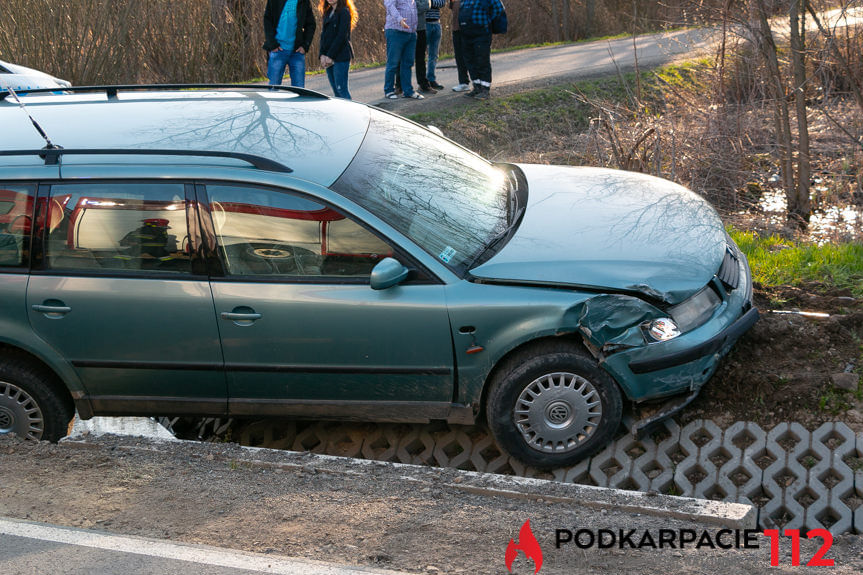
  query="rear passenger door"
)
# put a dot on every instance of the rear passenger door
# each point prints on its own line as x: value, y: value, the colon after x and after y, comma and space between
x: 117, y: 288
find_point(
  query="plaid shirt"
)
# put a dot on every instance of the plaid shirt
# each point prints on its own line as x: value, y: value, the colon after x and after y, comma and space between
x: 479, y: 12
x: 398, y: 9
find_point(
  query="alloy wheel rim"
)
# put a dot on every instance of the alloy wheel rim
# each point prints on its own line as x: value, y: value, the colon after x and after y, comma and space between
x: 557, y: 412
x: 19, y: 413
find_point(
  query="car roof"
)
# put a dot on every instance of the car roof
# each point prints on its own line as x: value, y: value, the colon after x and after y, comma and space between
x: 33, y: 78
x: 315, y: 136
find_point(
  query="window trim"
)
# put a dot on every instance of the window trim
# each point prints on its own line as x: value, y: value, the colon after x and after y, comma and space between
x: 420, y: 274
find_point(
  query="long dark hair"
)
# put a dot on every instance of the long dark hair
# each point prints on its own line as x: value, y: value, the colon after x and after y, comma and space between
x: 349, y: 4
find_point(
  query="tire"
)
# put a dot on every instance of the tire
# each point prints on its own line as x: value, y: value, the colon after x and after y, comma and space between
x: 29, y: 406
x: 552, y: 405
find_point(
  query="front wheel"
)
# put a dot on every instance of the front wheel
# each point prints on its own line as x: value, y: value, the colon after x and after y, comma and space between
x: 553, y: 406
x: 29, y: 407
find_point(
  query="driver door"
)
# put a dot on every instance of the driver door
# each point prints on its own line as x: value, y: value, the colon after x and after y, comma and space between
x: 302, y: 332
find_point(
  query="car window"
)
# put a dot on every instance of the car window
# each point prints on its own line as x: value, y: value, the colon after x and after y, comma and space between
x: 120, y: 226
x: 449, y: 201
x: 264, y: 232
x: 16, y: 212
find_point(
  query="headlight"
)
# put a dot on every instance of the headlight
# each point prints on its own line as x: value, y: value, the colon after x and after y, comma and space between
x: 693, y: 312
x: 663, y: 329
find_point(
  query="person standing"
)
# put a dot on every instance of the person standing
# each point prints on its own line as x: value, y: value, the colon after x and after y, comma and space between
x: 474, y: 19
x: 289, y: 28
x: 433, y: 35
x: 458, y: 50
x: 401, y: 35
x: 420, y: 60
x: 339, y: 18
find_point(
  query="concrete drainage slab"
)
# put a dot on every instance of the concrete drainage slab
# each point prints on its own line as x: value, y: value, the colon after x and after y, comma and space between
x: 796, y: 478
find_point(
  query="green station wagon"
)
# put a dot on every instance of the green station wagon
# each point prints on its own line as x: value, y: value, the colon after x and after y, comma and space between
x: 239, y: 251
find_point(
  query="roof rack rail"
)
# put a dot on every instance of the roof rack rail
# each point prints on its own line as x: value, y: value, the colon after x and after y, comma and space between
x: 111, y: 91
x: 52, y: 156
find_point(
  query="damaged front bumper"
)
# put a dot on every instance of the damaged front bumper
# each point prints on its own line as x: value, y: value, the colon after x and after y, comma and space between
x: 720, y: 341
x: 686, y: 362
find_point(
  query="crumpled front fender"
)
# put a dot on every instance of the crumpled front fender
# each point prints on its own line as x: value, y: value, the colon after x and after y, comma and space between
x: 612, y: 322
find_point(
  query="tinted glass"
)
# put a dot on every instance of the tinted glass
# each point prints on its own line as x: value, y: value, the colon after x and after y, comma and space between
x: 131, y: 227
x: 16, y: 219
x: 449, y: 201
x: 268, y: 233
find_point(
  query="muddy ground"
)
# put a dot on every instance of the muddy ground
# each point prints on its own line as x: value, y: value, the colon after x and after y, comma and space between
x: 784, y: 368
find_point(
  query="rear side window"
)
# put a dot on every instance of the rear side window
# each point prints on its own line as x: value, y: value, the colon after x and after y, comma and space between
x: 129, y: 227
x: 16, y: 220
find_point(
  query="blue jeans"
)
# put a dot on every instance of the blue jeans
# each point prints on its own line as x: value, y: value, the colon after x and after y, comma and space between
x: 293, y: 61
x: 337, y: 74
x: 401, y: 48
x: 433, y: 34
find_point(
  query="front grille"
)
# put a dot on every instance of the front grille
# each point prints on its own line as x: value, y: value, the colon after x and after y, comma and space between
x: 729, y: 271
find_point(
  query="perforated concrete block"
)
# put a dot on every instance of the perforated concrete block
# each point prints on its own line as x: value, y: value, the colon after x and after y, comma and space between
x: 858, y: 483
x: 784, y: 478
x: 832, y: 478
x: 799, y: 479
x: 453, y: 449
x: 415, y: 447
x: 696, y: 475
x: 487, y: 456
x: 740, y: 476
x: 604, y: 465
x: 578, y: 473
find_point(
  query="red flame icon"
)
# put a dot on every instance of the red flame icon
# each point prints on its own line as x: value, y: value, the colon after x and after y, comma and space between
x: 527, y: 543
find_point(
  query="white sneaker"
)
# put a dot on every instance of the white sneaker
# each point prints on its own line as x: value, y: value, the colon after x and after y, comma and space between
x: 461, y: 88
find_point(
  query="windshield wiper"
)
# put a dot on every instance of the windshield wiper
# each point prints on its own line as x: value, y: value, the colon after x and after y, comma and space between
x: 497, y: 239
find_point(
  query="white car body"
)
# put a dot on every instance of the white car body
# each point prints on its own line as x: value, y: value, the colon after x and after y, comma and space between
x: 23, y: 78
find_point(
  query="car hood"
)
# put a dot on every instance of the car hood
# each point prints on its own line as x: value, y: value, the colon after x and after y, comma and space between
x: 611, y: 230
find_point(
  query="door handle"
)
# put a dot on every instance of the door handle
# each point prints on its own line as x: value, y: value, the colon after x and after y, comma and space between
x: 52, y: 311
x: 241, y: 316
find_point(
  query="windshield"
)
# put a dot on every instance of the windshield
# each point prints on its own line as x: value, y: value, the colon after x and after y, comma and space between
x: 449, y: 201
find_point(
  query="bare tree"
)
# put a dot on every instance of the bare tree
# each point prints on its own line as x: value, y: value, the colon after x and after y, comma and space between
x: 764, y: 40
x: 799, y: 205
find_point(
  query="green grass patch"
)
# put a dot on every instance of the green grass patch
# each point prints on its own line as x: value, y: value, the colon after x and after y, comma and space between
x: 520, y: 113
x: 776, y: 261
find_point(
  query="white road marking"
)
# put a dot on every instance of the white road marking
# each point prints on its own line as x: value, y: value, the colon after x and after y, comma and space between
x: 202, y: 554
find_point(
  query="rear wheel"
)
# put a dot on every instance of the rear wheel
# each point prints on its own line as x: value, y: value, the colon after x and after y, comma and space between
x: 552, y: 406
x: 29, y: 407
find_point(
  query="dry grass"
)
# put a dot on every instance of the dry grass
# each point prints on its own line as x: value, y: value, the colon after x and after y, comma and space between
x: 724, y: 151
x: 129, y: 41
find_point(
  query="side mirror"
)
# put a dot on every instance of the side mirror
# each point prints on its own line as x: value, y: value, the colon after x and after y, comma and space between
x: 387, y: 273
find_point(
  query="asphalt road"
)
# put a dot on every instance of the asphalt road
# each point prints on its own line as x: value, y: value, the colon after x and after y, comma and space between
x: 571, y: 61
x: 28, y: 548
x: 547, y: 63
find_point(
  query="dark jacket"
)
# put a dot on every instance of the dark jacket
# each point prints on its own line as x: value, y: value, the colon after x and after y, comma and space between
x: 305, y: 24
x: 336, y: 36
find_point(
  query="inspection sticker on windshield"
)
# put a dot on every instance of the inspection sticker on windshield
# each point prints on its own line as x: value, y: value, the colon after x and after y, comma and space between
x: 447, y: 254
